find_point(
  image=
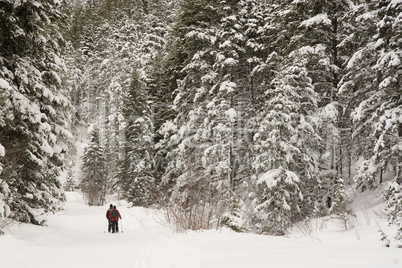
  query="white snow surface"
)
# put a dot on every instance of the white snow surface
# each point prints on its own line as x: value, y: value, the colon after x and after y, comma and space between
x: 396, y: 2
x: 77, y: 237
x: 271, y: 177
x: 2, y: 151
x: 318, y: 19
x: 4, y: 84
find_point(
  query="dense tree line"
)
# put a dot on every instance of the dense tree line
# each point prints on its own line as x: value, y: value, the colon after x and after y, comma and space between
x: 222, y: 112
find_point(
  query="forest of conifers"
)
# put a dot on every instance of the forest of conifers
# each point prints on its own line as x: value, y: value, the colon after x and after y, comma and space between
x: 254, y: 114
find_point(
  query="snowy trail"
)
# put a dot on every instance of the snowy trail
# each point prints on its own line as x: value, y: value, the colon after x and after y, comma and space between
x: 76, y: 237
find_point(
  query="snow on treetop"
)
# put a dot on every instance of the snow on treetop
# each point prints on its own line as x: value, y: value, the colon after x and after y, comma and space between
x: 228, y: 86
x: 230, y: 18
x: 379, y: 43
x: 356, y: 57
x: 167, y: 127
x: 385, y: 83
x: 330, y: 111
x: 91, y: 128
x: 299, y: 1
x: 318, y: 19
x: 140, y: 120
x: 367, y: 15
x: 232, y: 114
x: 272, y: 177
x: 46, y: 148
x: 4, y: 83
x: 230, y: 62
x: 2, y: 151
x: 391, y: 58
x: 17, y: 3
x: 198, y: 35
x: 396, y: 2
x: 225, y: 44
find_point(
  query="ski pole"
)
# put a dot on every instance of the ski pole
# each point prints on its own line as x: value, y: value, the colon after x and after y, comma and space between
x: 107, y: 226
x: 122, y: 226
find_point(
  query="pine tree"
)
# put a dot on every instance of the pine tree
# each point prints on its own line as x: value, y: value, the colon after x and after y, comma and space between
x: 280, y: 202
x: 94, y: 179
x: 222, y: 117
x: 135, y: 172
x: 394, y: 204
x: 70, y: 184
x: 320, y: 26
x: 340, y: 202
x: 357, y: 82
x: 286, y: 143
x: 377, y: 115
x: 387, y: 127
x: 33, y: 131
x: 195, y: 36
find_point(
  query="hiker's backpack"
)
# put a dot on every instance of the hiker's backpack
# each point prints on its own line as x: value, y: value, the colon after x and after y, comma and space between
x: 115, y: 214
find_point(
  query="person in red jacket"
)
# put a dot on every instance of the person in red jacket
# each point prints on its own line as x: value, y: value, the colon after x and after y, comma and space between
x: 108, y: 218
x: 114, y: 216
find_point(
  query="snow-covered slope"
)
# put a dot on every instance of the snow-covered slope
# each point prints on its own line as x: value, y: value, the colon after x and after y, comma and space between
x: 77, y: 237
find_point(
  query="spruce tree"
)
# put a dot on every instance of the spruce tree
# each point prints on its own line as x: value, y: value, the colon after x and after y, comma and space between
x: 394, y: 204
x: 94, y: 179
x: 194, y: 32
x: 33, y: 129
x: 135, y: 177
x: 340, y: 202
x: 280, y: 202
x: 357, y: 81
x: 286, y: 143
x: 376, y: 114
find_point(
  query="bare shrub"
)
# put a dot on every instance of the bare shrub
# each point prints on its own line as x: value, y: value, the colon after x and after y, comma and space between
x: 195, y: 217
x: 4, y: 223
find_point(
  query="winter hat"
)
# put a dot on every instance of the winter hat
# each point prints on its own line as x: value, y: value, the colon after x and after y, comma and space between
x: 111, y: 206
x: 114, y: 206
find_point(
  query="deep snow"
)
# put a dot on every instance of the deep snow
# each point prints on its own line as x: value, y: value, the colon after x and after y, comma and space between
x: 77, y: 237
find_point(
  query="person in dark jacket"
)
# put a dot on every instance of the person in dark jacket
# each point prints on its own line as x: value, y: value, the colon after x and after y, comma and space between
x: 114, y: 217
x: 108, y: 218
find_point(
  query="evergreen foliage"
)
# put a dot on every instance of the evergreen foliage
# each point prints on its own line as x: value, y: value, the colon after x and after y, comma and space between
x: 221, y: 111
x: 94, y: 177
x: 135, y: 176
x: 192, y: 193
x: 340, y: 201
x: 377, y: 114
x: 33, y: 122
x: 281, y: 201
x: 70, y: 184
x: 393, y: 198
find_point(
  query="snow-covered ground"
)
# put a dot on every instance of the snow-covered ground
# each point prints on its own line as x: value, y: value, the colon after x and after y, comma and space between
x: 77, y: 237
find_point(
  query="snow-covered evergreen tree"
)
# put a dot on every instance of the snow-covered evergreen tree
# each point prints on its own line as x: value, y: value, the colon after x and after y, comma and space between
x: 94, y: 179
x: 70, y: 184
x: 378, y: 115
x: 287, y: 139
x: 33, y: 127
x: 134, y: 176
x: 393, y: 198
x: 357, y: 82
x: 340, y: 201
x: 194, y: 188
x: 280, y: 203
